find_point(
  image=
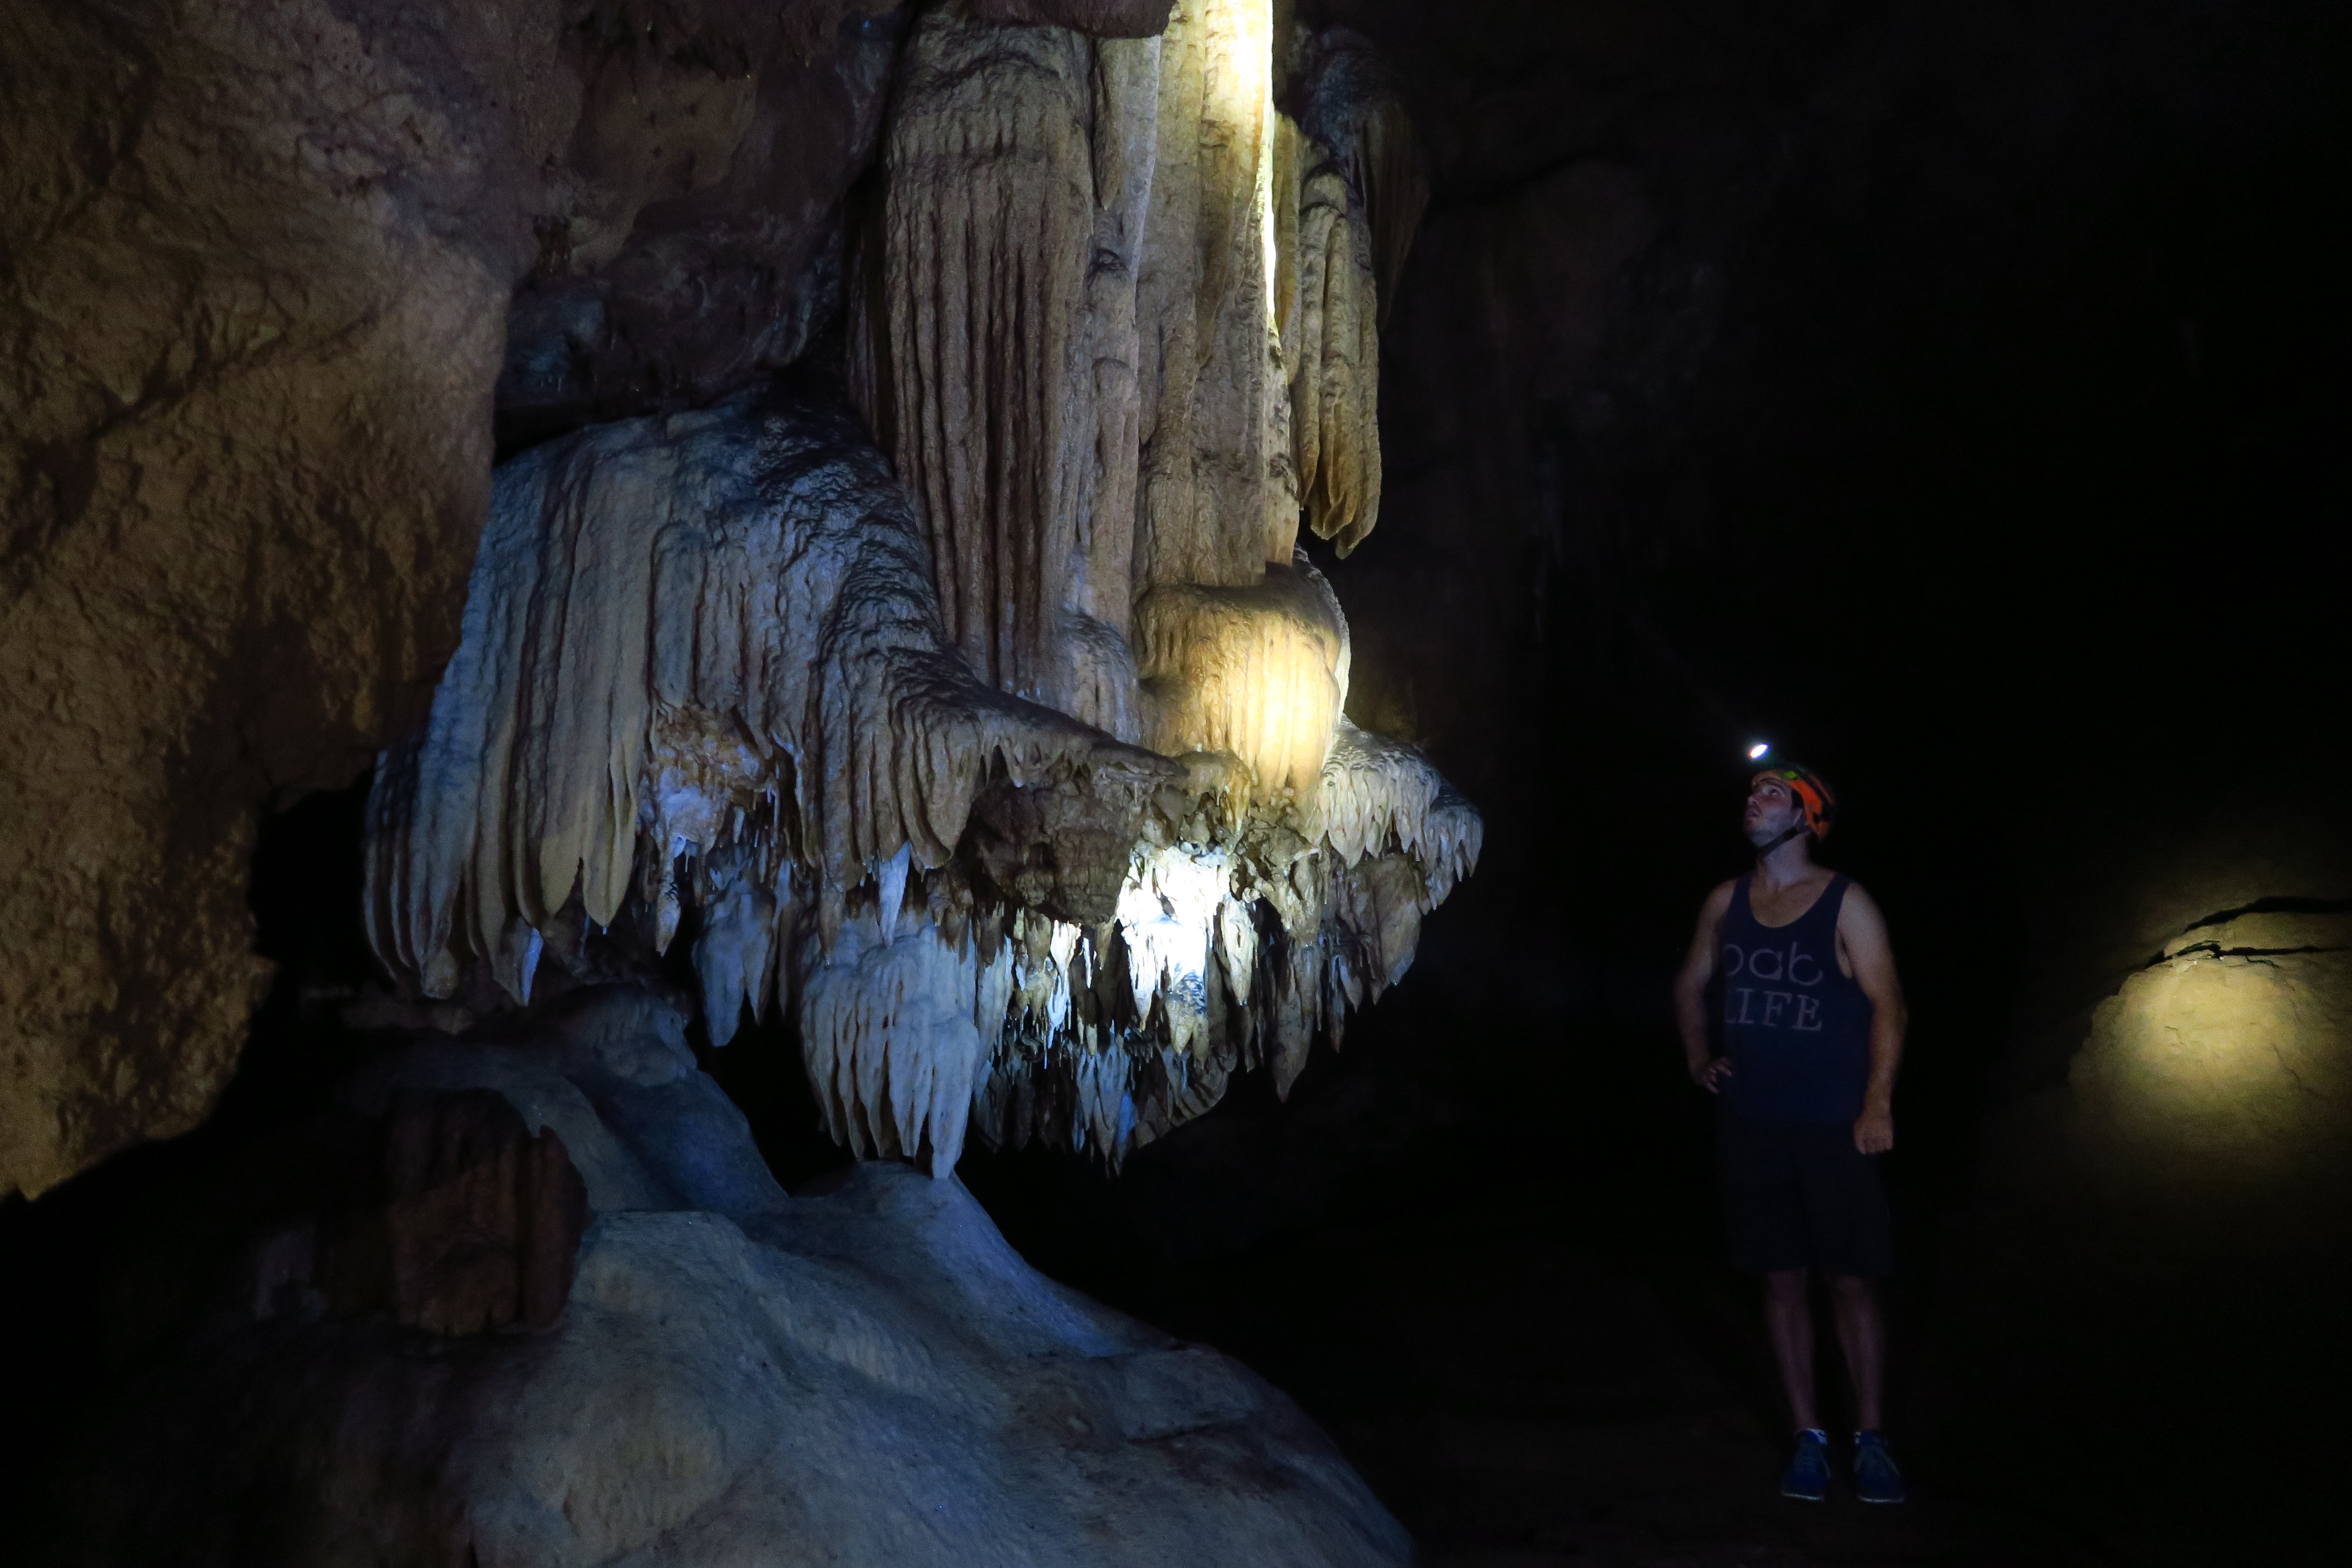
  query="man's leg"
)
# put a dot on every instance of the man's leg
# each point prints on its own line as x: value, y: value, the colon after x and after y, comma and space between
x: 1790, y: 1318
x: 1861, y: 1331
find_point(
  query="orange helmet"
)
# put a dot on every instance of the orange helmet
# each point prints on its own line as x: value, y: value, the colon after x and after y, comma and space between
x: 1814, y: 796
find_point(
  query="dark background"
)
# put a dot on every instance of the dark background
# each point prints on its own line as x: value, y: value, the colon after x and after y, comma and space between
x: 1952, y: 394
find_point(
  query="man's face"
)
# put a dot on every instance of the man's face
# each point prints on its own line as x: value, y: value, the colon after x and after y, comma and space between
x: 1772, y: 809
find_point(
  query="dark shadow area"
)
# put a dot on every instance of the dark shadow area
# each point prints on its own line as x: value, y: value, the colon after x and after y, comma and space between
x: 65, y: 1255
x: 1946, y: 395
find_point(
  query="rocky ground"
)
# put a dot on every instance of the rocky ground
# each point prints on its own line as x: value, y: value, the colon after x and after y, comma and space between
x: 1520, y: 1401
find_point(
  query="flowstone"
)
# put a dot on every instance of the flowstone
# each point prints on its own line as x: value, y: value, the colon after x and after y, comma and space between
x: 704, y: 687
x: 865, y: 1374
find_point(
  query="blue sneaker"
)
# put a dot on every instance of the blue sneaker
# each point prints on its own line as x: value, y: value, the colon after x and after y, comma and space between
x: 1875, y: 1478
x: 1807, y: 1478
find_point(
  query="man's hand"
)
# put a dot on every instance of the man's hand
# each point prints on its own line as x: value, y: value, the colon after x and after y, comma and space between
x: 1874, y: 1129
x: 1709, y: 1072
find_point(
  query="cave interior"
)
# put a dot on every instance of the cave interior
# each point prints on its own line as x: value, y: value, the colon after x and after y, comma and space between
x: 1070, y: 668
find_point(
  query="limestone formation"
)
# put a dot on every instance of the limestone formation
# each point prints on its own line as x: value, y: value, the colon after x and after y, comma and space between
x: 1216, y: 500
x: 1258, y: 672
x: 251, y: 414
x: 703, y: 679
x: 688, y: 238
x: 710, y: 634
x: 866, y: 736
x: 1351, y: 110
x: 260, y: 261
x: 474, y: 1224
x: 863, y: 1372
x: 1102, y: 18
x: 975, y: 356
x: 1115, y: 321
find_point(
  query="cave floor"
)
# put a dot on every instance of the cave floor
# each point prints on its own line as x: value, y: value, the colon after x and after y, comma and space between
x: 1519, y: 1400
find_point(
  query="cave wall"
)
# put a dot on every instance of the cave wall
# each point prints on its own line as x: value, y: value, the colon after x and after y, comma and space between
x: 258, y: 267
x: 1880, y: 384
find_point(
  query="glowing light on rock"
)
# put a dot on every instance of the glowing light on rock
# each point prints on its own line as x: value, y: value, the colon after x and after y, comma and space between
x: 2233, y: 1054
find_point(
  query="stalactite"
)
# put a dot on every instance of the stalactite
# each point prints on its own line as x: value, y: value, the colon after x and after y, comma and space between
x: 1223, y: 956
x: 1331, y: 348
x: 896, y: 1024
x: 1351, y: 107
x: 675, y: 627
x: 1113, y: 320
x: 994, y: 345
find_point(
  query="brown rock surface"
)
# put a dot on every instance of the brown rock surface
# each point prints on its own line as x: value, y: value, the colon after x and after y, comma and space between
x: 691, y: 238
x: 1103, y: 18
x: 254, y: 279
x: 251, y: 313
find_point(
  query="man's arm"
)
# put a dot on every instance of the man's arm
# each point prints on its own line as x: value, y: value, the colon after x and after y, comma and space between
x: 1862, y: 929
x: 1707, y: 1069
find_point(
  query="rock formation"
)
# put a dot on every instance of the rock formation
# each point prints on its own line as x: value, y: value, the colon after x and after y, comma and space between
x: 960, y: 694
x: 703, y: 672
x: 863, y: 1374
x: 870, y: 728
x: 260, y: 376
x: 256, y: 305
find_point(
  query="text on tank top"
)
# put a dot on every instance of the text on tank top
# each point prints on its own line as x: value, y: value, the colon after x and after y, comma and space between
x: 1796, y: 1027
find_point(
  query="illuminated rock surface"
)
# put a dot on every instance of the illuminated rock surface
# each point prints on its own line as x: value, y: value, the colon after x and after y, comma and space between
x: 862, y: 728
x: 2222, y: 1063
x: 702, y: 673
x: 866, y: 723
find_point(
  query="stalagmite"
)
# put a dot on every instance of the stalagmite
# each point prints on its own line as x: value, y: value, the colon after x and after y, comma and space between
x: 855, y: 722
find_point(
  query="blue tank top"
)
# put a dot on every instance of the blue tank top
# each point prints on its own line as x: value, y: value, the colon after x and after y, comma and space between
x: 1796, y: 1027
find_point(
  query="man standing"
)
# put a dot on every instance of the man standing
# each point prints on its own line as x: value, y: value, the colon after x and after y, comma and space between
x: 1811, y: 1029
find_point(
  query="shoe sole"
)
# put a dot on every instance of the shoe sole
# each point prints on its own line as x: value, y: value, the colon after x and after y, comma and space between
x: 1804, y: 1497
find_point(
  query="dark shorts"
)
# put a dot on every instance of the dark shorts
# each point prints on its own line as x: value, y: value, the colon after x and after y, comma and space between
x: 1801, y: 1195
